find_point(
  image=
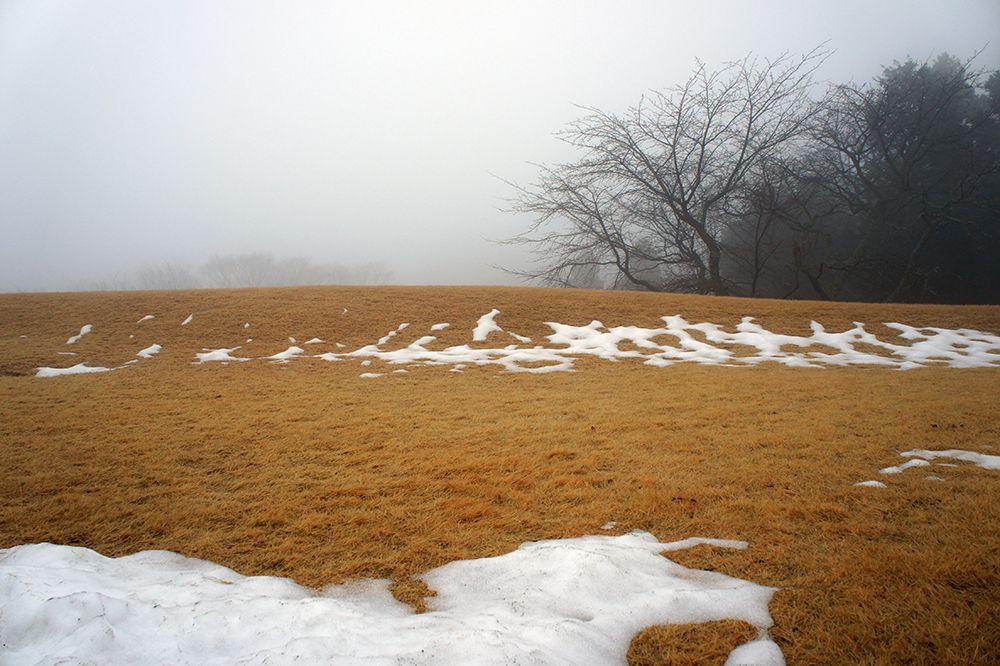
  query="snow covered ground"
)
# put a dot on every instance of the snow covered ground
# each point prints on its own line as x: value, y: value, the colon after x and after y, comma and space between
x: 919, y: 458
x: 677, y: 341
x: 568, y: 601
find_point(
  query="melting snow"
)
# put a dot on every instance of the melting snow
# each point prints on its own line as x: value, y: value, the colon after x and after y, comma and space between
x: 146, y: 318
x: 66, y: 353
x: 570, y: 601
x: 610, y: 525
x: 896, y: 469
x: 188, y: 320
x: 78, y: 369
x: 870, y: 484
x: 485, y: 326
x: 83, y: 331
x: 981, y: 459
x: 371, y: 375
x: 313, y: 341
x: 149, y: 351
x: 211, y: 355
x: 440, y: 327
x: 285, y: 356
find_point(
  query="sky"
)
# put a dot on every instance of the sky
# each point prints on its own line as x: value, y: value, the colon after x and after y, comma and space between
x: 137, y: 133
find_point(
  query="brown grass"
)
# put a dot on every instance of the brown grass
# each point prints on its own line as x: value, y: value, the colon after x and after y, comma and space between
x: 306, y: 470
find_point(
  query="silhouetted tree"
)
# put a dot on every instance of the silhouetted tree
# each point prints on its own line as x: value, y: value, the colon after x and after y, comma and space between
x: 655, y: 189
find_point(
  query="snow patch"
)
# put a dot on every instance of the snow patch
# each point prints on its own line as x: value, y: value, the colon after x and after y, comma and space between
x: 440, y: 327
x: 870, y: 484
x: 287, y: 355
x: 312, y: 341
x: 87, y: 328
x: 146, y: 318
x: 188, y: 320
x: 371, y: 375
x: 149, y: 351
x: 218, y: 355
x: 569, y: 601
x: 78, y: 369
x: 896, y: 469
x: 485, y: 326
x: 980, y: 459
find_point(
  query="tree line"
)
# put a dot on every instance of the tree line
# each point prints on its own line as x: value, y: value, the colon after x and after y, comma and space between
x: 256, y: 269
x: 747, y: 180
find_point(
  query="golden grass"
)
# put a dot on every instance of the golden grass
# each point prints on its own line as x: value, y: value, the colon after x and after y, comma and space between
x: 306, y: 470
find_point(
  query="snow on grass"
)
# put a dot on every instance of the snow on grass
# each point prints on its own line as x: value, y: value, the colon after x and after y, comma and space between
x: 78, y: 369
x: 218, y: 355
x: 145, y: 318
x: 371, y: 375
x: 485, y: 326
x: 149, y: 351
x: 870, y: 484
x: 440, y: 327
x: 896, y: 469
x: 569, y: 601
x: 981, y: 459
x: 188, y: 320
x: 87, y: 328
x: 66, y: 353
x: 313, y: 341
x: 288, y: 354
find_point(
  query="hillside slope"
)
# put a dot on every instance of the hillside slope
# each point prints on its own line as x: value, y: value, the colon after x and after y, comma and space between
x: 309, y: 470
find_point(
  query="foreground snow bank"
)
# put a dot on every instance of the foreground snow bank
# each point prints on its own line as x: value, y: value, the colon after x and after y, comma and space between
x: 78, y: 369
x: 569, y: 601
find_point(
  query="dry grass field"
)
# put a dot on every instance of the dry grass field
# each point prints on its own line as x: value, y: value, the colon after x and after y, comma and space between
x: 308, y: 471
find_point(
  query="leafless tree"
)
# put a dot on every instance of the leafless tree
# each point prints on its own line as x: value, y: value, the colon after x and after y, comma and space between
x: 656, y: 188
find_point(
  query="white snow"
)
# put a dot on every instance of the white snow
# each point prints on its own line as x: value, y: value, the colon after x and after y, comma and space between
x: 78, y: 369
x: 933, y: 477
x: 610, y: 525
x: 440, y: 327
x: 291, y: 339
x: 339, y: 345
x: 146, y: 318
x: 870, y: 484
x: 366, y: 363
x: 313, y: 341
x: 981, y: 459
x: 66, y: 353
x: 288, y: 354
x: 218, y: 355
x: 246, y: 325
x: 896, y: 469
x: 371, y: 375
x: 485, y: 326
x: 87, y: 328
x: 519, y: 338
x: 570, y: 601
x: 149, y: 351
x: 188, y: 320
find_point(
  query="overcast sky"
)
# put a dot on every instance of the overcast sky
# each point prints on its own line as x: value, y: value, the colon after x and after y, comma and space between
x: 135, y: 133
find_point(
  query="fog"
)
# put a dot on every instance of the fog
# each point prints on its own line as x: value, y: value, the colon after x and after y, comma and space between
x: 134, y: 134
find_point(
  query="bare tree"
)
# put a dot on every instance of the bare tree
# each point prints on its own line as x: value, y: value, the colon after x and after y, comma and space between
x: 656, y: 188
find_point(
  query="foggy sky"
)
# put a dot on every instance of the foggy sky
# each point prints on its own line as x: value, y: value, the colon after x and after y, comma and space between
x: 136, y: 133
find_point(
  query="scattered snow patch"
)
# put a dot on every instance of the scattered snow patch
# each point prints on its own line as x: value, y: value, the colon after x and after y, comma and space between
x: 188, y: 320
x: 66, y: 353
x: 149, y: 351
x: 870, y: 484
x: 371, y: 375
x: 218, y: 355
x: 569, y: 601
x: 288, y: 354
x: 896, y: 469
x: 313, y: 341
x: 485, y: 326
x: 87, y: 328
x: 440, y: 327
x: 78, y: 369
x: 146, y: 318
x: 981, y: 459
x: 610, y: 525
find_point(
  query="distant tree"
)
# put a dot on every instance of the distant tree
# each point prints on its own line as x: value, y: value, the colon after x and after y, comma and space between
x: 913, y: 160
x: 655, y: 190
x: 260, y: 269
x: 166, y: 276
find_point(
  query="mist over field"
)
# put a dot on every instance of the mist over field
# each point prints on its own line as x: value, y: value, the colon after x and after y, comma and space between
x: 357, y: 142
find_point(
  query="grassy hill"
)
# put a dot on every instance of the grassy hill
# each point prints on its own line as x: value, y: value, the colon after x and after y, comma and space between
x: 308, y: 470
